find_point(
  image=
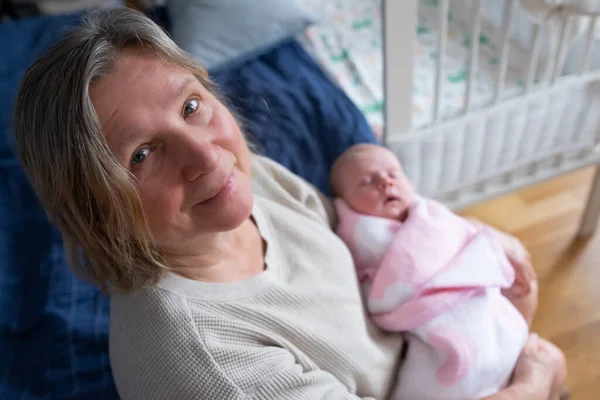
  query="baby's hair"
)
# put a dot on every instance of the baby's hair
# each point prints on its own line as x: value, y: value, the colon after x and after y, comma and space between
x: 338, y: 165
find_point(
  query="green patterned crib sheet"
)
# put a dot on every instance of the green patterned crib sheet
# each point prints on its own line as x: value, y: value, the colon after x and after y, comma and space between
x: 348, y: 45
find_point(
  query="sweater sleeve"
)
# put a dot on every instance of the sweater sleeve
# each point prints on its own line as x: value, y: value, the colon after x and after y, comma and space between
x: 181, y: 364
x: 266, y: 371
x: 275, y: 178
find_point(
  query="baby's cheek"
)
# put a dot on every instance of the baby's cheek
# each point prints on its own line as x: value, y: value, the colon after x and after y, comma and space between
x: 365, y: 202
x: 407, y: 189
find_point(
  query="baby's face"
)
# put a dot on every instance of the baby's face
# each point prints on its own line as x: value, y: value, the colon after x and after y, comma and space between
x: 373, y: 183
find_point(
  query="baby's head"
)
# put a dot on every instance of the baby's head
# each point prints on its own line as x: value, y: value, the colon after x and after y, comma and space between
x: 370, y: 180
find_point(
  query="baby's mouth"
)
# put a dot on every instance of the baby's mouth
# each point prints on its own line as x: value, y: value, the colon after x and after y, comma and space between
x: 390, y: 199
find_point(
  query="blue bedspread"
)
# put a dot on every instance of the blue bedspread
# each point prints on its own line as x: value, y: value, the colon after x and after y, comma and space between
x: 53, y: 326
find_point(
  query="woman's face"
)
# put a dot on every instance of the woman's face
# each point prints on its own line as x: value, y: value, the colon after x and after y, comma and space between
x: 182, y: 144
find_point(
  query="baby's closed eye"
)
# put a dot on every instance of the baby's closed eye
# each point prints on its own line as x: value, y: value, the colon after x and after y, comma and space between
x: 366, y: 180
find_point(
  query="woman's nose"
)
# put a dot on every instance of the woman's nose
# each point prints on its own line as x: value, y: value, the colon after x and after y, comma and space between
x: 199, y: 157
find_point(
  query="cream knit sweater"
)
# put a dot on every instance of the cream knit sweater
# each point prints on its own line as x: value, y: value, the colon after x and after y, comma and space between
x: 296, y: 331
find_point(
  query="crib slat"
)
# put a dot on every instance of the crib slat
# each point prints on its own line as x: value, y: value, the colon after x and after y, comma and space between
x: 399, y: 27
x: 561, y: 55
x: 443, y: 7
x: 474, y: 56
x: 533, y: 58
x: 509, y: 12
x: 585, y: 65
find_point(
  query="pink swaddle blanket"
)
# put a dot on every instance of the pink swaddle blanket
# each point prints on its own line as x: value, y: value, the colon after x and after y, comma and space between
x: 435, y: 277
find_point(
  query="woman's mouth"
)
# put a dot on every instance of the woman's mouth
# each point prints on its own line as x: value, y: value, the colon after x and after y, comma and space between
x: 220, y: 192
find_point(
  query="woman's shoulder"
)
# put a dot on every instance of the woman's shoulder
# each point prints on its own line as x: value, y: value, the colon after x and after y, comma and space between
x: 276, y: 183
x: 144, y: 300
x: 270, y: 177
x: 146, y: 310
x: 157, y: 352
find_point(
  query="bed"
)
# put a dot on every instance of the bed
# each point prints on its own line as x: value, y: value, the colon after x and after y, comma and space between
x: 470, y: 119
x: 53, y: 326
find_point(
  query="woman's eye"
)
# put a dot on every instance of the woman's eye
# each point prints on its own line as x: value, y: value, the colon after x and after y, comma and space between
x: 140, y: 156
x: 190, y: 107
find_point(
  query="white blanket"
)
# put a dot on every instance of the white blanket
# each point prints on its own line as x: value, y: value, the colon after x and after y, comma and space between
x: 437, y: 279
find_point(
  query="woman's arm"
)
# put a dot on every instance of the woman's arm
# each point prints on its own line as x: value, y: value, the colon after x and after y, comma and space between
x: 523, y: 294
x: 518, y: 256
x: 193, y: 372
x: 160, y: 350
x: 289, y: 189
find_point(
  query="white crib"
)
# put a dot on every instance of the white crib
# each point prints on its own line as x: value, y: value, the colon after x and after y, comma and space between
x: 551, y: 128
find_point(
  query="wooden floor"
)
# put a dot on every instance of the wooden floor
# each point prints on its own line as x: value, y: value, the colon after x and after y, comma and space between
x: 545, y: 218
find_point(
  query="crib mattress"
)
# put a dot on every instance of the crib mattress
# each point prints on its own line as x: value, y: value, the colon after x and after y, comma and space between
x: 348, y: 46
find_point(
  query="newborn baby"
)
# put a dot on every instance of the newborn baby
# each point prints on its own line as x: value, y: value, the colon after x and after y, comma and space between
x: 430, y: 274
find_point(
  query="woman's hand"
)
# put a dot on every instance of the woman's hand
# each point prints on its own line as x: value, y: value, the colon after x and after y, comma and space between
x: 539, y: 374
x: 523, y: 293
x: 520, y: 259
x: 541, y: 370
x: 518, y: 256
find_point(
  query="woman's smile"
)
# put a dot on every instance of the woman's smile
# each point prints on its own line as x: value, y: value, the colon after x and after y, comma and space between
x: 221, y: 193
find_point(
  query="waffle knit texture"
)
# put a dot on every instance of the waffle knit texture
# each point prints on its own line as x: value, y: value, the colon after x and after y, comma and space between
x: 298, y: 330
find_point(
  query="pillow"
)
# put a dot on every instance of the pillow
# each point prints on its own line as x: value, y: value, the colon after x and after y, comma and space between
x: 216, y: 32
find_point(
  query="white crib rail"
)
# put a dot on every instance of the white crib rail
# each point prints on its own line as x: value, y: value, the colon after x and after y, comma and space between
x: 400, y: 20
x: 474, y: 54
x: 533, y: 59
x: 399, y: 27
x: 509, y: 11
x: 443, y: 7
x: 550, y: 129
x: 563, y: 47
x: 585, y: 64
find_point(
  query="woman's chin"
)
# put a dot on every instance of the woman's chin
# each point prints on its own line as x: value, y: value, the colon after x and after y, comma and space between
x: 230, y: 209
x: 236, y: 215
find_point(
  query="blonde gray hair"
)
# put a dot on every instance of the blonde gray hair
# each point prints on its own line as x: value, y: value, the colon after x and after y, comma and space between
x: 83, y: 188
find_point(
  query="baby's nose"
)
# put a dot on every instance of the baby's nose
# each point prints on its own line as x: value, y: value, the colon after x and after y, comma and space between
x: 386, y: 182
